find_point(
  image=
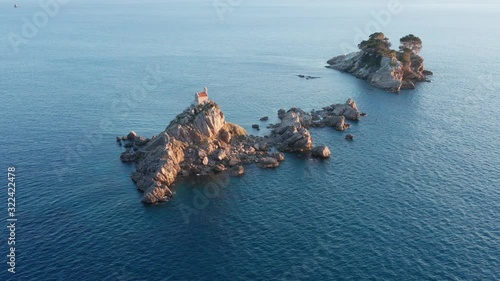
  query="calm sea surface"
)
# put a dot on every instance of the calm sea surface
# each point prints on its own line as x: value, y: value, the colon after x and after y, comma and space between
x: 416, y: 196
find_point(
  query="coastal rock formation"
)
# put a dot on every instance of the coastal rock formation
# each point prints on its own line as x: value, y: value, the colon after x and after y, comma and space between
x: 199, y: 142
x: 385, y: 68
x: 321, y: 152
x: 292, y: 133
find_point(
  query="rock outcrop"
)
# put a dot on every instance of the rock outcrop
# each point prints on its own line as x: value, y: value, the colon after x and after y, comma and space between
x: 321, y: 152
x: 199, y: 142
x: 381, y: 67
x: 292, y: 133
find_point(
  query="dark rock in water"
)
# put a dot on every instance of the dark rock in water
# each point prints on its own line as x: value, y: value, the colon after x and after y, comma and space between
x: 131, y: 136
x: 124, y: 138
x: 141, y: 141
x: 255, y: 126
x: 118, y: 139
x: 129, y: 145
x: 281, y: 113
x: 265, y: 118
x: 349, y: 137
x: 129, y: 156
x: 338, y: 122
x: 321, y: 152
x: 268, y: 162
x: 428, y: 73
x: 238, y: 171
x: 308, y: 77
x: 363, y: 114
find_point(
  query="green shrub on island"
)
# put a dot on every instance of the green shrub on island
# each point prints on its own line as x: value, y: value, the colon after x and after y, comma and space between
x: 377, y: 43
x: 411, y: 42
x: 380, y: 46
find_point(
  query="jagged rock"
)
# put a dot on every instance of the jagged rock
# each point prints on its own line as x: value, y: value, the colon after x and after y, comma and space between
x: 382, y: 71
x: 156, y: 194
x: 349, y: 110
x: 129, y: 156
x: 129, y: 145
x: 291, y: 133
x: 349, y: 137
x: 131, y: 136
x: 255, y: 126
x: 204, y: 125
x: 321, y: 152
x: 140, y: 141
x: 352, y: 104
x: 118, y: 139
x: 199, y: 141
x: 265, y: 118
x: 338, y: 122
x: 268, y: 162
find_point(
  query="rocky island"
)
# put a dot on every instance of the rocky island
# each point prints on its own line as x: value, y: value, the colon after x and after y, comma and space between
x: 383, y: 67
x: 200, y: 141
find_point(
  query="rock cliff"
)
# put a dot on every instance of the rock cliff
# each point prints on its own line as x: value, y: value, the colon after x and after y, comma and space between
x: 199, y: 141
x: 382, y: 67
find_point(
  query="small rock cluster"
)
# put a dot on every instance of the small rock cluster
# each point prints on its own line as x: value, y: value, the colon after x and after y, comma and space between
x: 133, y: 142
x: 307, y: 77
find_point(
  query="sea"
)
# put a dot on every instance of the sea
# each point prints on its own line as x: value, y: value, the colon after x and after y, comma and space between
x: 415, y: 196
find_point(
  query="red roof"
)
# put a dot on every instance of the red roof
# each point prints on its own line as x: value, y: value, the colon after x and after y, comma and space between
x: 202, y: 94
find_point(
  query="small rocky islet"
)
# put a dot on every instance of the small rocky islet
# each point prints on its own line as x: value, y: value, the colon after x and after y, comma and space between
x: 384, y: 67
x: 199, y: 142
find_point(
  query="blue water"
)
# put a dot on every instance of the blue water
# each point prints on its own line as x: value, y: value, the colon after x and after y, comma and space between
x: 416, y: 196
